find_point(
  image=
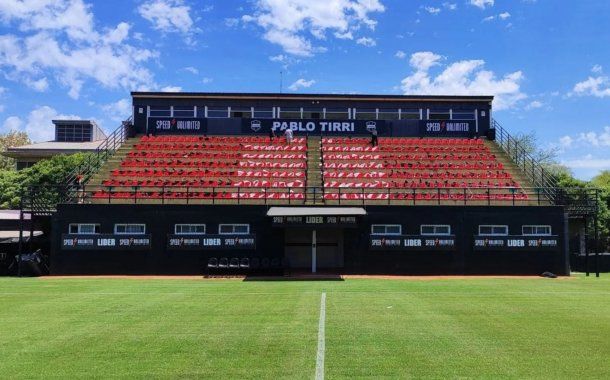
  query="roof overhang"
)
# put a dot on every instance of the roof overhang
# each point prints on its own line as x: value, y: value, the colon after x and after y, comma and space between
x: 304, y: 97
x: 316, y: 211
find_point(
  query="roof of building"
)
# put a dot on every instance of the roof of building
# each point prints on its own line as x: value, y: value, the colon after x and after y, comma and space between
x: 315, y: 211
x: 278, y: 96
x: 51, y: 148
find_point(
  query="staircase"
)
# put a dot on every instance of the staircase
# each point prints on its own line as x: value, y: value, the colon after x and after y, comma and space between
x: 503, y: 158
x: 315, y: 190
x: 112, y: 163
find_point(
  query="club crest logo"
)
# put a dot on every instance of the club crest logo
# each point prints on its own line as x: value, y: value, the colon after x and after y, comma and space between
x: 371, y: 126
x: 255, y: 125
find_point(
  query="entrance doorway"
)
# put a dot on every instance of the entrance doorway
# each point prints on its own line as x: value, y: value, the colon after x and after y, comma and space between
x: 314, y: 250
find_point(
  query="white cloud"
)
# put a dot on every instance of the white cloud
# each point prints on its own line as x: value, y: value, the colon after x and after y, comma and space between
x: 38, y: 125
x: 566, y: 142
x: 593, y: 86
x: 432, y: 10
x: 366, y: 41
x: 61, y: 43
x: 534, y: 105
x: 12, y: 123
x: 596, y: 139
x: 207, y: 80
x: 301, y: 83
x: 423, y: 60
x: 171, y: 89
x: 191, y: 69
x: 450, y: 6
x: 400, y: 54
x: 169, y: 16
x: 40, y: 85
x: 588, y: 139
x: 588, y: 162
x: 119, y: 110
x: 482, y: 3
x: 501, y: 16
x: 462, y: 78
x: 597, y: 69
x: 231, y: 22
x: 292, y: 23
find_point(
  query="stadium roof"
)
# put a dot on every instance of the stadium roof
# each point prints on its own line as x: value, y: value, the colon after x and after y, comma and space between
x: 278, y: 96
x: 315, y: 211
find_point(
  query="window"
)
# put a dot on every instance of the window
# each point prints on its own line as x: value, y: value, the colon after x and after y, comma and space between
x: 409, y: 114
x: 312, y: 113
x: 160, y: 111
x: 387, y: 114
x: 491, y: 230
x: 263, y: 113
x: 236, y: 229
x: 241, y: 112
x: 463, y: 115
x: 290, y: 113
x: 366, y: 114
x: 386, y: 229
x: 189, y: 229
x: 435, y: 229
x: 73, y: 132
x: 337, y: 114
x: 536, y: 230
x: 84, y: 228
x: 218, y: 112
x: 184, y: 111
x: 439, y: 115
x: 129, y: 229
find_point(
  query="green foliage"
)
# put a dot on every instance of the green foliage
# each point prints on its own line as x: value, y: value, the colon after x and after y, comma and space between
x: 11, y: 139
x: 50, y: 173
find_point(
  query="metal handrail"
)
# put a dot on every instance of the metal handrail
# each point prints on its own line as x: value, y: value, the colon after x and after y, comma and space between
x: 93, y: 162
x: 533, y: 170
x: 581, y: 200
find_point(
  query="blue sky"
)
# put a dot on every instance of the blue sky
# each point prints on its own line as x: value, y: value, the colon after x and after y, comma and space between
x: 546, y: 61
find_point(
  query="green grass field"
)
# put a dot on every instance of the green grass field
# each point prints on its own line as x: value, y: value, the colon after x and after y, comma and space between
x: 473, y: 328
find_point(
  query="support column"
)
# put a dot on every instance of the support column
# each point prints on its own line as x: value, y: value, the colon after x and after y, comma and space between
x: 313, y: 252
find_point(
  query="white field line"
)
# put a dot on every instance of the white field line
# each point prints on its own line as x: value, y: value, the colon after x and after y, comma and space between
x: 321, y: 339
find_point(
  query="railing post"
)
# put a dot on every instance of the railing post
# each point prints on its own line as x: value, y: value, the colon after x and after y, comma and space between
x: 238, y: 194
x: 538, y: 194
x: 464, y: 196
x: 109, y: 194
x: 488, y: 197
x: 187, y: 194
x: 135, y: 194
x: 438, y: 195
x: 413, y: 192
x: 163, y: 195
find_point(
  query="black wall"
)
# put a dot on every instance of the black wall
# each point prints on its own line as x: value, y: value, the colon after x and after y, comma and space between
x: 233, y: 126
x: 359, y: 258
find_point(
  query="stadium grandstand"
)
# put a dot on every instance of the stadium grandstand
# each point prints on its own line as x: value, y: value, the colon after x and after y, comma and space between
x: 212, y: 183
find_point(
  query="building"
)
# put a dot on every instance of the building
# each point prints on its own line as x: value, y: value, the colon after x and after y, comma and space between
x: 71, y: 136
x: 209, y: 180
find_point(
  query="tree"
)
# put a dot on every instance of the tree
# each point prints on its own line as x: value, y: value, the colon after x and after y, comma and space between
x: 47, y: 174
x: 11, y: 139
x: 530, y: 144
